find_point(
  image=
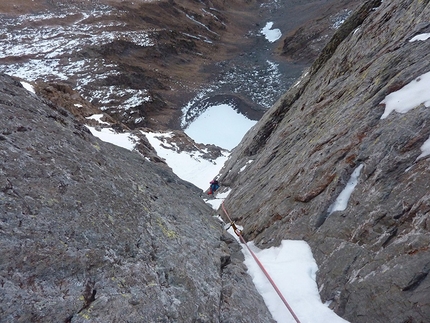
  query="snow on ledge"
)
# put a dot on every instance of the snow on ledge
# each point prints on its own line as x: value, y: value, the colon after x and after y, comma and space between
x: 421, y: 37
x: 293, y: 269
x: 341, y: 202
x: 28, y: 87
x: 409, y: 96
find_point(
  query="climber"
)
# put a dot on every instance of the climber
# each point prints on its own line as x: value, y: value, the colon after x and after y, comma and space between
x: 214, y: 186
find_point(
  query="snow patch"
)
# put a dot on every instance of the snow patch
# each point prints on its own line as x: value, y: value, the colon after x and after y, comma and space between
x: 342, y: 200
x: 188, y: 166
x: 98, y: 117
x: 220, y: 197
x: 421, y: 37
x: 340, y: 18
x: 243, y: 167
x: 425, y: 149
x: 220, y: 125
x: 408, y: 97
x: 28, y: 87
x: 271, y: 35
x: 293, y: 269
x: 125, y: 140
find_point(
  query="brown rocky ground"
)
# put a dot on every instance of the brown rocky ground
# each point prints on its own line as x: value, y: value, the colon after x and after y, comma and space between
x: 186, y: 37
x: 193, y: 43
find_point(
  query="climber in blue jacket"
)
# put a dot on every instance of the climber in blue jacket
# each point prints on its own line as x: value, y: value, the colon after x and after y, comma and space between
x: 214, y: 186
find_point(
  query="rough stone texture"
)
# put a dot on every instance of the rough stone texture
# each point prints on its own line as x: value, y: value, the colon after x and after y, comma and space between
x: 304, y: 43
x: 373, y: 257
x: 90, y: 232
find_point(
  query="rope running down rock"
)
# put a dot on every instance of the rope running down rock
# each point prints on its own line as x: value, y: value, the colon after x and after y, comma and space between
x: 239, y: 234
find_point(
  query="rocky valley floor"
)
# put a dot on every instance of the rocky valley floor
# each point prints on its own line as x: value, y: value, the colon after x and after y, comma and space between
x: 143, y: 62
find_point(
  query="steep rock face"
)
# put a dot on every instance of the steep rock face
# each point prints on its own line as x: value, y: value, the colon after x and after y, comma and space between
x: 304, y: 43
x: 374, y: 256
x: 90, y: 232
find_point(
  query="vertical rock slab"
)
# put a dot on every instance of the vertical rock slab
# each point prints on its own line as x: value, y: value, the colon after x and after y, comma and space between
x: 373, y: 256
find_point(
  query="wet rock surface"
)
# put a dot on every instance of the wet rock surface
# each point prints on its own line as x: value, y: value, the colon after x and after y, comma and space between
x: 90, y: 232
x: 374, y: 256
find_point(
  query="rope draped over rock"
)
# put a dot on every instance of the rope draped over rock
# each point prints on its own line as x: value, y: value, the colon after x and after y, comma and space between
x: 239, y: 234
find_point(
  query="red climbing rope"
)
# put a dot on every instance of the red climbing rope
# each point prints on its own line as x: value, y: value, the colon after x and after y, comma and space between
x: 239, y: 234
